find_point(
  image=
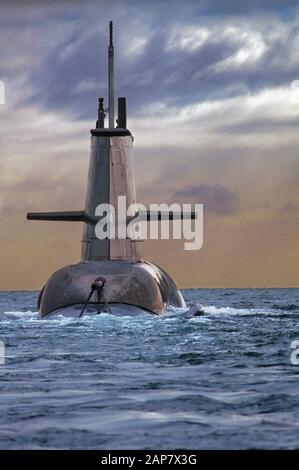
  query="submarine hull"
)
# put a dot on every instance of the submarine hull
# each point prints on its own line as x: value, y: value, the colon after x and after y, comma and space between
x: 128, y: 288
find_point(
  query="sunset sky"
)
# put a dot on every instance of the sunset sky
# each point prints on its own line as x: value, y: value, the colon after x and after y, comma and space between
x: 213, y: 103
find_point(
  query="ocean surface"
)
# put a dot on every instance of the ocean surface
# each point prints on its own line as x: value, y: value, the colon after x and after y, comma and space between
x: 221, y: 381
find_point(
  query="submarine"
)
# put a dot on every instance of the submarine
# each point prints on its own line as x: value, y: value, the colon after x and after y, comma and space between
x: 112, y: 275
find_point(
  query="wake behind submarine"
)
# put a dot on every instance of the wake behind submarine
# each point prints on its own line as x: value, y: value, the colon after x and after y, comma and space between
x: 112, y: 276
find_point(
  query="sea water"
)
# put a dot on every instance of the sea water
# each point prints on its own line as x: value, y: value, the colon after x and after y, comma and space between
x: 225, y: 380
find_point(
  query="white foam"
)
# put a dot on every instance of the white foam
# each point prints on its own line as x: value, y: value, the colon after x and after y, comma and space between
x: 213, y: 310
x: 21, y: 315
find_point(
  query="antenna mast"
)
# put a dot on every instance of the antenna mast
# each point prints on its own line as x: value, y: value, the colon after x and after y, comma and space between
x: 111, y: 76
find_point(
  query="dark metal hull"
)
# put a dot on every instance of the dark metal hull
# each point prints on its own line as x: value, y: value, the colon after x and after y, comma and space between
x: 133, y: 286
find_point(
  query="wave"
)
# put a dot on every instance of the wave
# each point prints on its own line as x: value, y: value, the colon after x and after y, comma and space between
x: 287, y: 307
x: 173, y: 314
x: 262, y: 311
x: 28, y: 315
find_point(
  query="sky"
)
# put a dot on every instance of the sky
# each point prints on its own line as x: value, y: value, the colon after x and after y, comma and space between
x: 213, y: 103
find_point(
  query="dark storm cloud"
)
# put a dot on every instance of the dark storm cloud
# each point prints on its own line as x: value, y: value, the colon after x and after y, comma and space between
x: 247, y: 6
x: 225, y: 6
x: 217, y: 199
x: 72, y: 68
x: 157, y: 75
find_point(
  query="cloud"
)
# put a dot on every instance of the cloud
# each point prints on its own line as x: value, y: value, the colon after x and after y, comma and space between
x: 289, y: 208
x: 250, y: 50
x: 85, y: 86
x: 217, y: 199
x: 178, y: 58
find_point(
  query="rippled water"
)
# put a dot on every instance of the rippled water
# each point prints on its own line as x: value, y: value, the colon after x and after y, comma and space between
x: 223, y: 380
